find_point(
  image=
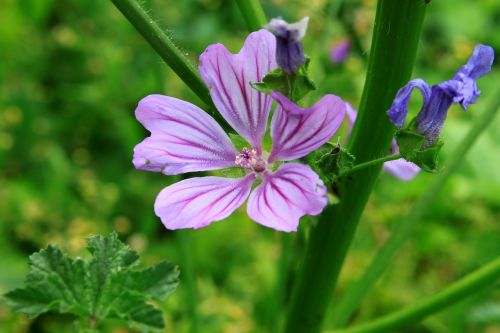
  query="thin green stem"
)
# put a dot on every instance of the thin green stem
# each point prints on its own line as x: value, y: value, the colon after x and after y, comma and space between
x: 371, y: 163
x: 403, y: 229
x: 395, y: 39
x: 472, y: 283
x: 167, y: 50
x: 253, y: 13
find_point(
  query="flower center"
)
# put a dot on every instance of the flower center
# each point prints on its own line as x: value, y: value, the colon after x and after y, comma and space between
x: 251, y: 160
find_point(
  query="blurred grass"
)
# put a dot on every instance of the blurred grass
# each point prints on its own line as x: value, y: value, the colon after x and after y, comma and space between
x: 72, y: 72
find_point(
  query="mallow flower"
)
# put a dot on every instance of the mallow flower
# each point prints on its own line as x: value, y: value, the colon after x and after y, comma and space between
x: 184, y: 139
x: 289, y: 50
x: 399, y: 168
x: 461, y: 89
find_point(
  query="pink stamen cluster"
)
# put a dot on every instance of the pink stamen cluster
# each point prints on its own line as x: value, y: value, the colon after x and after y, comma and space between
x: 250, y: 159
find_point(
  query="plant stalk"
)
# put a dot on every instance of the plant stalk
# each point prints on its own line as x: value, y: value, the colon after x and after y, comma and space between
x: 394, y: 44
x: 481, y: 279
x: 167, y: 50
x: 253, y: 13
x: 403, y: 229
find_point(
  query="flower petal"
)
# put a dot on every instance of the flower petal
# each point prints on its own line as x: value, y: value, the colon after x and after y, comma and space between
x: 183, y: 138
x: 478, y: 64
x: 430, y: 119
x: 229, y: 75
x: 399, y: 108
x: 197, y: 202
x: 351, y: 115
x: 296, y: 132
x: 284, y: 196
x: 401, y: 169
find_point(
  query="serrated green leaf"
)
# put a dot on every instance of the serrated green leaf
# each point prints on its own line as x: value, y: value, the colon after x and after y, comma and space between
x: 132, y: 308
x: 55, y: 282
x: 110, y: 256
x: 157, y: 282
x: 107, y: 285
x: 31, y: 300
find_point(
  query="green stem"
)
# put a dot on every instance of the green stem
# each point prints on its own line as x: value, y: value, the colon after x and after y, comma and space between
x: 403, y: 230
x: 189, y: 278
x: 395, y: 39
x: 478, y: 280
x: 167, y: 50
x: 283, y: 279
x: 374, y: 162
x: 253, y: 13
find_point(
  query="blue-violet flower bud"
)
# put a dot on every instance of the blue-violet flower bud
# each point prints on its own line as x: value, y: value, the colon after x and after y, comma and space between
x: 461, y: 89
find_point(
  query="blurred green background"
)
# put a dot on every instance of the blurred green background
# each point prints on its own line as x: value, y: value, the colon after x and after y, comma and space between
x: 71, y: 73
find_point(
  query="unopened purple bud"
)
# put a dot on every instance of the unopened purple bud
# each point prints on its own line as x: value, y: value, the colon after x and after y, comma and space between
x: 340, y: 52
x: 289, y: 50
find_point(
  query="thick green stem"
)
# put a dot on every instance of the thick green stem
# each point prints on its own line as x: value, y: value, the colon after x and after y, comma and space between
x: 253, y: 13
x: 395, y: 39
x: 371, y: 163
x: 481, y: 279
x: 164, y: 46
x: 404, y: 229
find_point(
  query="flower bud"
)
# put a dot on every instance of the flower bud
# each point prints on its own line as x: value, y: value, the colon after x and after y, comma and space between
x: 289, y: 50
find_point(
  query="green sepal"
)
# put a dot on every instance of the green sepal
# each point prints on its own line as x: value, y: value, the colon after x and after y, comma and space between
x: 294, y: 86
x: 428, y: 159
x: 330, y: 161
x: 409, y: 143
x: 411, y: 148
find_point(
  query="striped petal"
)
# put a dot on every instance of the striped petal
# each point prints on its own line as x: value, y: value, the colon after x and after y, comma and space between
x: 402, y: 169
x: 296, y: 132
x: 229, y: 75
x: 183, y: 138
x: 197, y: 202
x: 285, y: 196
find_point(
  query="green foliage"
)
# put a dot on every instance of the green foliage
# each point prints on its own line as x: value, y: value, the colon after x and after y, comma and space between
x: 294, y: 86
x: 108, y: 285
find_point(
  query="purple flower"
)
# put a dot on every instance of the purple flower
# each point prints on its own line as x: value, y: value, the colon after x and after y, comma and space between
x: 461, y: 89
x: 399, y: 168
x: 289, y: 51
x: 340, y: 52
x: 184, y: 139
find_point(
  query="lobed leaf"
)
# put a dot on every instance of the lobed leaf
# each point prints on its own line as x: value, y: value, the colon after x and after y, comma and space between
x: 107, y: 285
